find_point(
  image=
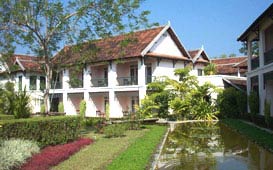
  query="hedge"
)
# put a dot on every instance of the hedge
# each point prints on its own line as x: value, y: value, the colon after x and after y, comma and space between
x: 44, y: 130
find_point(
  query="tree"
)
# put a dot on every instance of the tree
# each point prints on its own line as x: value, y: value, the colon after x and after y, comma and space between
x: 210, y: 69
x: 255, y: 48
x: 43, y: 26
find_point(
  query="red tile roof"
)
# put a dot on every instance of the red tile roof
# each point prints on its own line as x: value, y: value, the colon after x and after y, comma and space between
x: 193, y: 53
x: 226, y: 66
x: 29, y: 63
x: 112, y: 48
x: 203, y: 59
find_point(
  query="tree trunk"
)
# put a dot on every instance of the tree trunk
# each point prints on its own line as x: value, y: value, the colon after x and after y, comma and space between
x: 48, y: 70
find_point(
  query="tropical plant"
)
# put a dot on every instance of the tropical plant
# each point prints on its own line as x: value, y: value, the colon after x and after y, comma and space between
x: 82, y: 108
x: 42, y: 109
x: 21, y: 105
x: 14, y: 152
x: 267, y: 114
x: 61, y: 107
x: 42, y: 25
x: 107, y: 112
x: 210, y: 69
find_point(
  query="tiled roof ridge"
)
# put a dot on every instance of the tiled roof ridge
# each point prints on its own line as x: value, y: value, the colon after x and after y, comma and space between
x: 229, y: 58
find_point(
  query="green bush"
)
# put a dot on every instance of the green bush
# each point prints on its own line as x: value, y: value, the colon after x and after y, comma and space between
x: 61, y: 107
x: 115, y: 130
x: 14, y: 152
x: 82, y: 108
x: 267, y: 114
x: 21, y: 105
x: 42, y: 109
x: 93, y: 121
x: 253, y: 100
x: 232, y: 103
x: 44, y: 130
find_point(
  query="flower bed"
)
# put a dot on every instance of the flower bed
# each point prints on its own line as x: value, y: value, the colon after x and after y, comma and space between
x: 53, y: 155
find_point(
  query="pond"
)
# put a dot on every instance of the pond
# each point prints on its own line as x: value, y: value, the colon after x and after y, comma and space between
x: 208, y: 145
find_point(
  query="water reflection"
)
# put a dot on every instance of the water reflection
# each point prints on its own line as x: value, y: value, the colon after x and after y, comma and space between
x: 208, y: 145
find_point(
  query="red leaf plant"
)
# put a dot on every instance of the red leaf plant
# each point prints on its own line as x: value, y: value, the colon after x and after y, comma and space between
x: 53, y: 155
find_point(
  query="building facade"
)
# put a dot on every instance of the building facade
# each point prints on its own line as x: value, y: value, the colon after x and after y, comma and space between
x: 260, y: 68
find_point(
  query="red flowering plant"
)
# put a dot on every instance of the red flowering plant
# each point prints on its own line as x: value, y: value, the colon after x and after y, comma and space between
x: 53, y: 155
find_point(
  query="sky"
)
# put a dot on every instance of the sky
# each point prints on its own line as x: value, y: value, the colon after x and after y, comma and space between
x: 215, y: 24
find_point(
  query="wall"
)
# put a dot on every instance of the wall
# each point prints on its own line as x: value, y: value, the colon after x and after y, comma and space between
x: 73, y: 103
x: 165, y: 45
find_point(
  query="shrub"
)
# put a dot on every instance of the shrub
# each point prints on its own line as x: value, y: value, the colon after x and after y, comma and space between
x: 42, y: 109
x: 93, y: 121
x: 253, y: 100
x: 15, y: 152
x: 115, y: 130
x: 210, y: 69
x: 61, y: 107
x: 82, y: 108
x: 53, y: 155
x: 232, y: 103
x: 267, y: 106
x: 44, y: 130
x: 21, y: 105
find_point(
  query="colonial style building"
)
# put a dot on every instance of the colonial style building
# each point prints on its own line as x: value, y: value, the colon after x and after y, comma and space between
x: 26, y: 73
x: 260, y: 68
x: 117, y: 75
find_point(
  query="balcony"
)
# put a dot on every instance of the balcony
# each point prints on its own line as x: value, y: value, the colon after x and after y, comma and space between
x: 99, y: 82
x: 125, y: 81
x: 268, y: 57
x: 255, y: 63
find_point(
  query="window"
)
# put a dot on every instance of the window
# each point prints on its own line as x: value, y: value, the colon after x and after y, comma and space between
x: 32, y: 83
x: 20, y: 83
x: 200, y: 72
x: 148, y: 73
x: 42, y: 83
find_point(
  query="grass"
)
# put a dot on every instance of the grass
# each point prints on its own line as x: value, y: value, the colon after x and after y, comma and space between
x: 138, y: 155
x: 101, y: 152
x: 255, y: 134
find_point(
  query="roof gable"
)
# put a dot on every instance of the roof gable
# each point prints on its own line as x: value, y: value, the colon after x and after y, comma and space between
x: 199, y: 56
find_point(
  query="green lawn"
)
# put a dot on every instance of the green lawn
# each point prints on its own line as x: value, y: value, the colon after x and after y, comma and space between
x: 138, y: 155
x: 255, y: 134
x: 101, y: 153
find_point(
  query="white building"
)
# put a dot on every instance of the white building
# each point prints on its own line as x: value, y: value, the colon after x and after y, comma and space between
x: 25, y: 72
x: 260, y: 69
x: 117, y: 75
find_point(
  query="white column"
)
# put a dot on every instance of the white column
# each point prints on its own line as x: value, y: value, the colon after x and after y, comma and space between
x: 38, y: 82
x: 112, y: 74
x: 65, y: 79
x: 261, y: 93
x: 66, y: 107
x: 114, y: 109
x: 86, y: 77
x: 248, y: 88
x: 249, y: 55
x: 141, y: 79
x: 261, y: 48
x: 238, y: 72
x: 141, y: 72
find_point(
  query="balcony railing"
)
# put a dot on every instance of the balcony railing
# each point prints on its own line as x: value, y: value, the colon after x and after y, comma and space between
x: 125, y: 81
x: 255, y: 63
x: 57, y: 85
x: 99, y: 82
x: 268, y: 57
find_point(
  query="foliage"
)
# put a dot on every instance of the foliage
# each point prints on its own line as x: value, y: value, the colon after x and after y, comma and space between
x: 107, y: 112
x: 53, y: 155
x: 55, y: 23
x: 93, y: 121
x: 61, y: 107
x: 21, y: 105
x: 267, y: 114
x: 232, y: 103
x: 139, y: 154
x: 44, y: 130
x: 82, y: 108
x: 253, y: 100
x: 7, y: 98
x: 210, y: 69
x: 114, y: 130
x: 14, y: 152
x: 255, y: 48
x: 259, y: 136
x: 42, y: 109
